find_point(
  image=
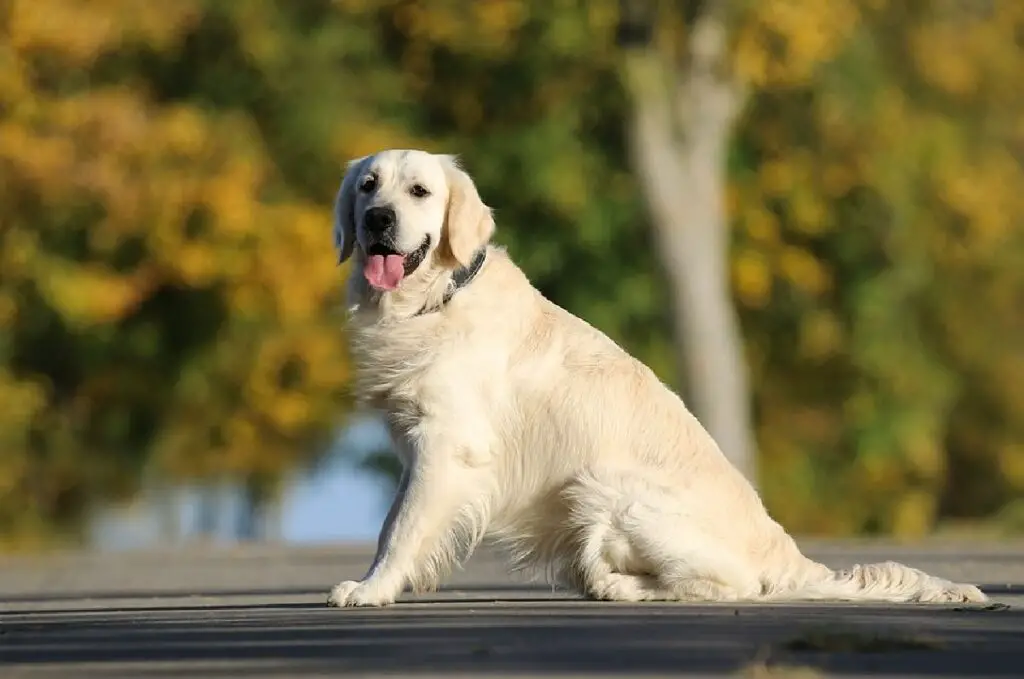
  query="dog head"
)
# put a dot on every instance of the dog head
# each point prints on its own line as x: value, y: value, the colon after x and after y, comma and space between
x: 407, y: 211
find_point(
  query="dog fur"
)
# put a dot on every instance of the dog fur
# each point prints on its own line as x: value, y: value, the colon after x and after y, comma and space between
x: 517, y: 420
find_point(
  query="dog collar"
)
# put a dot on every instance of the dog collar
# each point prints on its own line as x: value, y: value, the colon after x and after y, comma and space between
x: 462, y: 277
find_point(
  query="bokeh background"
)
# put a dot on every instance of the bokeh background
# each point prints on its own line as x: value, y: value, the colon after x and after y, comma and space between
x: 806, y: 216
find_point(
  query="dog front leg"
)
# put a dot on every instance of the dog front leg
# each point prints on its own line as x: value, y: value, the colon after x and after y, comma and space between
x: 437, y: 503
x: 384, y: 537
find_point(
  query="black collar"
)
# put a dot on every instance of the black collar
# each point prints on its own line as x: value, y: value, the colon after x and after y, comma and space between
x: 462, y: 277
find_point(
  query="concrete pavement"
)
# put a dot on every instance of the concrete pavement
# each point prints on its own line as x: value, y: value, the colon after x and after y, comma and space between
x: 259, y: 612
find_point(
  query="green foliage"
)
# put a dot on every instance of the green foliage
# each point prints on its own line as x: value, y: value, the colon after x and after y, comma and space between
x: 167, y: 293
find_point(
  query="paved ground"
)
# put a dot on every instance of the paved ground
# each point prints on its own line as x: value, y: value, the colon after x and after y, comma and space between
x: 259, y: 612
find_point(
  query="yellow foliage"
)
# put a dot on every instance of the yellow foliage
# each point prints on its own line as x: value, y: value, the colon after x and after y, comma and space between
x: 914, y: 513
x: 1011, y: 463
x: 777, y: 177
x: 942, y: 66
x: 752, y: 278
x: 483, y: 27
x: 20, y: 401
x: 879, y: 471
x: 810, y: 213
x: 361, y: 138
x: 986, y: 192
x: 837, y: 179
x: 925, y: 455
x: 89, y: 294
x: 761, y: 225
x: 498, y: 17
x: 802, y: 270
x: 79, y: 30
x: 8, y: 309
x: 808, y: 32
x: 820, y: 335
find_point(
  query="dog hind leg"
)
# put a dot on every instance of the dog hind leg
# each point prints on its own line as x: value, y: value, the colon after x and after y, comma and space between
x: 636, y: 542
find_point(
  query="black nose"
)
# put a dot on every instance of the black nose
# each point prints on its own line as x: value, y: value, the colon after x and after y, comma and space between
x: 379, y: 219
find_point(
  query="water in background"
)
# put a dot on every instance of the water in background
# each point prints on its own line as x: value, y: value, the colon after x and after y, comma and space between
x: 335, y: 502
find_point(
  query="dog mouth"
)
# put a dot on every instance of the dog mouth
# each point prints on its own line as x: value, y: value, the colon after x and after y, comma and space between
x: 386, y: 267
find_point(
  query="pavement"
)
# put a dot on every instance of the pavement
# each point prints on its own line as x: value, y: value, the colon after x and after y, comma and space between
x: 259, y: 611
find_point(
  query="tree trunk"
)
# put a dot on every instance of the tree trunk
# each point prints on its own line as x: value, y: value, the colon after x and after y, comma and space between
x: 680, y: 130
x: 168, y: 513
x: 256, y: 497
x: 208, y: 510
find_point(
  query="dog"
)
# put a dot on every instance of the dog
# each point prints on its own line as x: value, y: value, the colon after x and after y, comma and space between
x: 516, y: 420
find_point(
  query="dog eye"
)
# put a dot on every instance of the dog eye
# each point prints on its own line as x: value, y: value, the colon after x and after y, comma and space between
x: 419, y: 191
x: 368, y: 184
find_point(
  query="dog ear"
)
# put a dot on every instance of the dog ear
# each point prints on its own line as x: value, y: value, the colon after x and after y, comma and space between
x: 469, y: 223
x: 344, y: 210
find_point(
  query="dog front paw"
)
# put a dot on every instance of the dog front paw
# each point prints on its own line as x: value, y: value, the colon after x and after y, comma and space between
x: 352, y: 593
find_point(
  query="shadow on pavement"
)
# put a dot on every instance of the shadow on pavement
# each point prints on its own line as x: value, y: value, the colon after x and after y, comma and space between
x: 553, y: 637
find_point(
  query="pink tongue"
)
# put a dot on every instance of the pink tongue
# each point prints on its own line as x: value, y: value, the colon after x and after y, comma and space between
x: 384, y: 272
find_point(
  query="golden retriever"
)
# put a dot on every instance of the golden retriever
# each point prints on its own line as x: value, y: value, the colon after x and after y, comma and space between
x: 517, y: 420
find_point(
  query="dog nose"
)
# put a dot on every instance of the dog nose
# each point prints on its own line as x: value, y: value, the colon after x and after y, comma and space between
x: 379, y: 219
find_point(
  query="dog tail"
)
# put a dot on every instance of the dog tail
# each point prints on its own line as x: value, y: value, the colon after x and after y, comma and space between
x: 882, y: 582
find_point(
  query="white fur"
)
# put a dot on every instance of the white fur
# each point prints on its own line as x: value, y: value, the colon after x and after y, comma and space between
x: 516, y: 419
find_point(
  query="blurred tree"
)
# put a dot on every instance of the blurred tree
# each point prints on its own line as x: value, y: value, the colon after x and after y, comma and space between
x: 167, y: 170
x: 852, y: 109
x: 686, y: 97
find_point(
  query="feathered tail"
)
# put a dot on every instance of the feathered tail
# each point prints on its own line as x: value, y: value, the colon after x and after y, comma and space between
x: 883, y: 582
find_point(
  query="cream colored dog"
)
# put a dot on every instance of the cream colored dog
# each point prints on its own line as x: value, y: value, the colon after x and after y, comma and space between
x: 514, y: 418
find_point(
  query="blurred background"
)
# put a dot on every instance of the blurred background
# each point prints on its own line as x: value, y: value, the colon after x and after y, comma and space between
x: 805, y: 216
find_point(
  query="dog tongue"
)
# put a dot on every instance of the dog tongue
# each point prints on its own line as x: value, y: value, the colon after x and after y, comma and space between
x: 384, y: 272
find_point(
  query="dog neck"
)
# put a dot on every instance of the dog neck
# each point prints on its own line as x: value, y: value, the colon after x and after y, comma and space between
x: 460, y: 278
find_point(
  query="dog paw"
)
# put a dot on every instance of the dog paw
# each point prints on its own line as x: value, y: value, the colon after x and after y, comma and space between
x: 966, y: 594
x: 620, y: 587
x: 955, y: 593
x: 352, y: 593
